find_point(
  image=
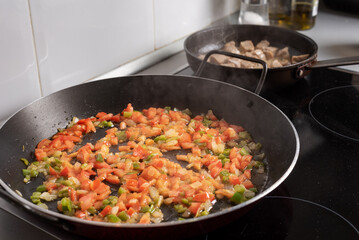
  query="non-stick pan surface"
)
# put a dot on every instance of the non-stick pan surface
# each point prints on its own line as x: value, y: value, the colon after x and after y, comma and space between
x: 214, y: 38
x: 41, y: 119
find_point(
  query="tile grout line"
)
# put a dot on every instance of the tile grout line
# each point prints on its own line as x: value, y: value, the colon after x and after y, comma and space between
x: 35, y: 49
x: 154, y: 25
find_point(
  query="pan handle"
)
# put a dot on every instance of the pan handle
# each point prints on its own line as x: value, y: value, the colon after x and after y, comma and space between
x: 263, y: 63
x: 303, y: 70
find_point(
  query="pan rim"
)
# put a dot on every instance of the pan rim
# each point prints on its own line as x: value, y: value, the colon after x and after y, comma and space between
x: 58, y: 216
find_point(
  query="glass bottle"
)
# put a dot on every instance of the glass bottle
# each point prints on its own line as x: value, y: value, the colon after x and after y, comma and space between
x: 303, y: 14
x: 279, y: 12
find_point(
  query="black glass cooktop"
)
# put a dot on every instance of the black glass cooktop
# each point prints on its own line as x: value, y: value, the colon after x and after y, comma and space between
x: 318, y: 200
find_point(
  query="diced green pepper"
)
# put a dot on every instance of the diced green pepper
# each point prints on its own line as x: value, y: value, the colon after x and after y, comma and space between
x: 239, y: 188
x: 167, y: 109
x: 121, y: 135
x: 224, y: 161
x: 85, y: 165
x: 243, y: 152
x: 187, y: 111
x: 208, y: 151
x: 203, y: 213
x: 244, y: 135
x: 144, y: 209
x: 26, y: 172
x: 99, y: 157
x: 224, y: 173
x: 66, y: 204
x: 147, y: 159
x: 105, y: 124
x: 199, y: 143
x: 258, y: 164
x: 63, y: 192
x: 42, y: 205
x: 180, y: 208
x: 206, y: 122
x: 25, y: 161
x: 237, y: 198
x: 113, y: 218
x: 226, y: 152
x: 186, y: 201
x: 105, y: 203
x: 123, y: 216
x: 113, y: 200
x: 92, y: 210
x: 35, y: 197
x: 34, y: 173
x: 67, y: 183
x: 136, y: 165
x: 121, y: 190
x: 36, y: 163
x: 41, y: 188
x: 160, y: 138
x: 127, y: 114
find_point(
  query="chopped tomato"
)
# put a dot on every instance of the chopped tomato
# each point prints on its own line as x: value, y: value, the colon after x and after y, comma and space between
x: 106, y: 210
x: 193, y: 208
x: 140, y: 152
x: 203, y: 196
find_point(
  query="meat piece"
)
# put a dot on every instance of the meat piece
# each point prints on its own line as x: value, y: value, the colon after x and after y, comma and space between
x: 283, y: 56
x: 276, y: 63
x: 235, y: 61
x: 262, y: 44
x: 231, y: 47
x: 259, y: 54
x: 217, y: 59
x: 270, y: 52
x: 248, y: 64
x: 283, y: 53
x: 249, y: 54
x: 229, y: 64
x: 246, y: 46
x: 296, y: 59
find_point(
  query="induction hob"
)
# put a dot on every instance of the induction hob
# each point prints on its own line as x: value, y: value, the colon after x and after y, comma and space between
x: 318, y: 200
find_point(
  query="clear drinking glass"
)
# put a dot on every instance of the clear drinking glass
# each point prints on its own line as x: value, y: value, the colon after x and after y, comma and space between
x: 254, y: 12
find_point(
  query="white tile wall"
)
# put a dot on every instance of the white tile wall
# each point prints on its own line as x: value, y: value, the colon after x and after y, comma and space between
x: 19, y: 83
x: 48, y: 45
x: 177, y: 18
x: 78, y: 40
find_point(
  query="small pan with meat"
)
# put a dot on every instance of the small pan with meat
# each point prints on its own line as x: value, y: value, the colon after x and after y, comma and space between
x: 297, y: 55
x: 21, y: 134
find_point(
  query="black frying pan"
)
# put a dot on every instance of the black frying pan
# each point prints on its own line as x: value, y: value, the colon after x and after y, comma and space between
x: 41, y: 119
x: 214, y: 38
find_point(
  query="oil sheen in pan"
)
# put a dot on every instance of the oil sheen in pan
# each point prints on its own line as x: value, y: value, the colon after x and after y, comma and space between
x: 258, y: 179
x: 337, y: 110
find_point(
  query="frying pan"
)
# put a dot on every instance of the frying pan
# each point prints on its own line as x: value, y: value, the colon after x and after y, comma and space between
x: 41, y: 119
x: 279, y: 78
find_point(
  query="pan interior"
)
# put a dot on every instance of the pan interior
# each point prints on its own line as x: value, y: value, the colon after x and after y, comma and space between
x: 41, y: 119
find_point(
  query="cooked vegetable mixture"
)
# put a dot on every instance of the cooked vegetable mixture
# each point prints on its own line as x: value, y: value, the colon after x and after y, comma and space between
x: 129, y: 185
